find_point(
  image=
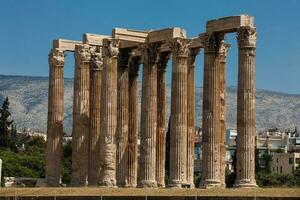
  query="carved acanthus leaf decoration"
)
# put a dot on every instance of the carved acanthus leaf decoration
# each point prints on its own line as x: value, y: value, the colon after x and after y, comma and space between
x: 180, y: 46
x: 150, y: 52
x: 214, y: 41
x: 163, y: 60
x: 111, y: 47
x: 192, y: 56
x: 82, y: 53
x: 56, y: 57
x: 246, y: 36
x: 97, y: 59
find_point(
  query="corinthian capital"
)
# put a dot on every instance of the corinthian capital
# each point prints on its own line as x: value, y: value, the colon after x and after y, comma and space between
x: 192, y: 56
x: 111, y: 47
x: 97, y: 59
x: 163, y: 60
x: 246, y: 36
x: 82, y: 53
x: 150, y: 52
x: 214, y: 41
x: 180, y: 46
x: 56, y: 57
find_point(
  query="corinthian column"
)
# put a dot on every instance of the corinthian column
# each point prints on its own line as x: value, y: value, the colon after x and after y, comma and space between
x: 80, y: 135
x: 191, y: 117
x: 150, y: 53
x: 211, y: 111
x: 131, y: 179
x: 246, y: 108
x: 109, y: 112
x: 94, y: 138
x: 55, y: 118
x: 223, y: 56
x: 161, y: 120
x: 178, y: 123
x: 123, y: 117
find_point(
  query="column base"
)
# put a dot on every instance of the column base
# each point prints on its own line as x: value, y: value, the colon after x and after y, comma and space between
x: 108, y: 183
x: 245, y: 183
x: 161, y: 185
x: 176, y: 184
x: 191, y: 185
x: 52, y: 183
x: 211, y: 183
x: 147, y: 184
x: 129, y: 185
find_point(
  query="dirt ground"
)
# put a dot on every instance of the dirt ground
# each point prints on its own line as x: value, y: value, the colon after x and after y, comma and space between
x: 98, y: 191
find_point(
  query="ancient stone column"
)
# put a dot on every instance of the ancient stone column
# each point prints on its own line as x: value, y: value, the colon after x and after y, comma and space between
x: 179, y: 111
x: 211, y: 111
x: 54, y: 152
x: 80, y: 129
x: 161, y: 119
x: 147, y: 161
x: 191, y: 118
x: 123, y: 117
x: 95, y: 99
x: 109, y: 112
x: 223, y: 56
x: 246, y: 112
x: 131, y: 179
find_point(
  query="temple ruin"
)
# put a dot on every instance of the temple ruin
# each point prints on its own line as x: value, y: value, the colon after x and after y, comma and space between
x: 105, y: 107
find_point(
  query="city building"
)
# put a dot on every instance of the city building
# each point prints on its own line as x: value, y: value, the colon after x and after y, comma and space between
x: 285, y: 163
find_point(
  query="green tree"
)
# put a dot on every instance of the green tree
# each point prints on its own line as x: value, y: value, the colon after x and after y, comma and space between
x: 14, y: 139
x: 5, y: 124
x: 67, y: 162
x: 267, y: 160
x: 296, y: 175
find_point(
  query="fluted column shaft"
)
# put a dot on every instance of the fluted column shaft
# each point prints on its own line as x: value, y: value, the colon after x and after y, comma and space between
x: 131, y: 179
x: 55, y: 119
x: 109, y: 112
x: 161, y: 120
x: 147, y: 162
x: 80, y: 130
x: 123, y: 117
x: 178, y: 123
x: 95, y: 98
x: 191, y: 118
x: 246, y: 111
x: 223, y: 56
x: 211, y: 111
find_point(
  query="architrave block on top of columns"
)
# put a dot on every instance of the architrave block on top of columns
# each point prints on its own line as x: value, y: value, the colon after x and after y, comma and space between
x: 229, y: 24
x: 94, y: 39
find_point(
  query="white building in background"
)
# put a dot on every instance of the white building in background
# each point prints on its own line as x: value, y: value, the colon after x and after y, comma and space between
x: 276, y: 139
x: 285, y: 163
x: 29, y: 132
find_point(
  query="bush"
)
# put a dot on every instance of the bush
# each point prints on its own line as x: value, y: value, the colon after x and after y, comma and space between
x: 275, y: 180
x: 22, y: 165
x: 197, y: 180
x: 67, y: 163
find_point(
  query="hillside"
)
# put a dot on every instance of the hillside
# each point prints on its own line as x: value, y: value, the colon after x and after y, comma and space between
x: 28, y: 98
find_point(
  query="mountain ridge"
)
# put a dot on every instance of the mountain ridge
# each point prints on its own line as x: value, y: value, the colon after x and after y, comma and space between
x: 29, y: 96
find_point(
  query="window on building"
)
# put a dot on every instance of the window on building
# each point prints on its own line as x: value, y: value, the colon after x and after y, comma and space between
x: 292, y: 169
x: 280, y: 169
x: 291, y: 160
x: 277, y: 160
x: 276, y: 169
x: 297, y: 160
x: 273, y: 169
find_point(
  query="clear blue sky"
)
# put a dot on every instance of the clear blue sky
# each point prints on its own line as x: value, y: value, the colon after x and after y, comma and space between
x: 27, y: 28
